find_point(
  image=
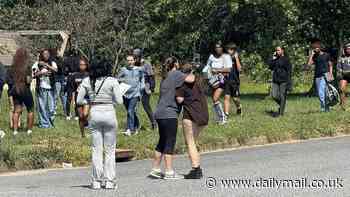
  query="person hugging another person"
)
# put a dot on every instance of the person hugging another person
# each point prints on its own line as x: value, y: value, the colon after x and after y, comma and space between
x: 218, y: 67
x: 195, y: 117
x: 133, y: 76
x: 281, y: 78
x: 44, y: 70
x: 166, y: 115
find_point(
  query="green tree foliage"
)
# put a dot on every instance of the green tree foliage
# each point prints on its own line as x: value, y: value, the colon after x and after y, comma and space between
x: 185, y: 27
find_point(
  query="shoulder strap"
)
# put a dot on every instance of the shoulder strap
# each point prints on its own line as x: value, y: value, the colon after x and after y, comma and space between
x: 99, y: 89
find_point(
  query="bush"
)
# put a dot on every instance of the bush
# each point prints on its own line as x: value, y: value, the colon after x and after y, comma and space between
x: 254, y: 66
x: 8, y: 155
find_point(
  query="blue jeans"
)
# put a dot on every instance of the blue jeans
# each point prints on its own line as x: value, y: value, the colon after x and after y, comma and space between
x: 60, y: 92
x: 132, y: 119
x: 321, y: 90
x: 46, y: 107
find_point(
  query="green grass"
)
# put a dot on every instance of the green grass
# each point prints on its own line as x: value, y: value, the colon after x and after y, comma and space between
x: 49, y: 148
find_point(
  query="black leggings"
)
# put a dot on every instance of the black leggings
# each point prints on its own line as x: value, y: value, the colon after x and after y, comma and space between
x: 167, y: 135
x: 147, y: 107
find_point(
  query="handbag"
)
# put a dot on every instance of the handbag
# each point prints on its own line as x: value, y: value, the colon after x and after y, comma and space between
x: 332, y: 95
x: 216, y: 80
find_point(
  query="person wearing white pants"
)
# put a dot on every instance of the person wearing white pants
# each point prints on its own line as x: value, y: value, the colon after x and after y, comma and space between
x: 103, y: 124
x: 101, y: 92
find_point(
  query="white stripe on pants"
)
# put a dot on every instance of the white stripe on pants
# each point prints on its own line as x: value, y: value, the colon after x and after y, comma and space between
x: 103, y: 125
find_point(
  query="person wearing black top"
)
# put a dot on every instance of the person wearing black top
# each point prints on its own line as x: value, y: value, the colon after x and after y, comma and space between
x: 195, y: 118
x: 60, y: 85
x: 20, y: 78
x: 232, y: 82
x: 81, y: 110
x: 71, y: 66
x: 281, y: 78
x: 323, y: 71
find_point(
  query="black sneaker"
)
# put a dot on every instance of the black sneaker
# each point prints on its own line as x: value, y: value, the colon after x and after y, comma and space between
x: 195, y: 173
x: 276, y: 115
x: 154, y: 126
x: 239, y: 111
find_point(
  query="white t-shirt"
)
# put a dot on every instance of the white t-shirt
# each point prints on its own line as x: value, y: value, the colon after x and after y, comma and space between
x: 45, y: 78
x: 224, y: 61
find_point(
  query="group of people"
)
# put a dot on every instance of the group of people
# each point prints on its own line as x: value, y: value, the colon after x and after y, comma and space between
x: 58, y: 79
x: 95, y: 91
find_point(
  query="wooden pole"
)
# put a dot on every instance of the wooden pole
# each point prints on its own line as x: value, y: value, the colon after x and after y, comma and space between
x: 32, y: 32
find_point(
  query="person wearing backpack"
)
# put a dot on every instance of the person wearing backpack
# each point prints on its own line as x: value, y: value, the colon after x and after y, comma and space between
x: 281, y: 78
x: 195, y: 118
x: 232, y: 83
x: 323, y: 72
x: 133, y: 76
x: 103, y: 92
x: 343, y: 73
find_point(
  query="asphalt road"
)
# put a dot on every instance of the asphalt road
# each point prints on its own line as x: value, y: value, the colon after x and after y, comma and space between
x: 324, y: 163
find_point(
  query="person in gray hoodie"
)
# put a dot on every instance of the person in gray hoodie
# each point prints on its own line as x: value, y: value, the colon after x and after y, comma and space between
x: 134, y: 77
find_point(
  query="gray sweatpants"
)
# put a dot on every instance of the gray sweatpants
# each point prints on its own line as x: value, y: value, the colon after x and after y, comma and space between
x: 103, y: 125
x: 279, y: 94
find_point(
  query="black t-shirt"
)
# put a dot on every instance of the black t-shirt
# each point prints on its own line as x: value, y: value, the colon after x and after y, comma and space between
x: 195, y: 103
x: 60, y: 66
x: 70, y: 64
x: 234, y: 74
x: 321, y: 64
x: 75, y: 80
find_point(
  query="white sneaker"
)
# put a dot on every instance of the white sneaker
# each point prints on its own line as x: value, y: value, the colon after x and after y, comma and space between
x: 95, y: 185
x: 76, y: 118
x: 15, y: 132
x: 29, y: 132
x: 2, y: 134
x: 172, y: 176
x: 68, y: 118
x: 156, y: 174
x: 111, y: 185
x: 127, y: 132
